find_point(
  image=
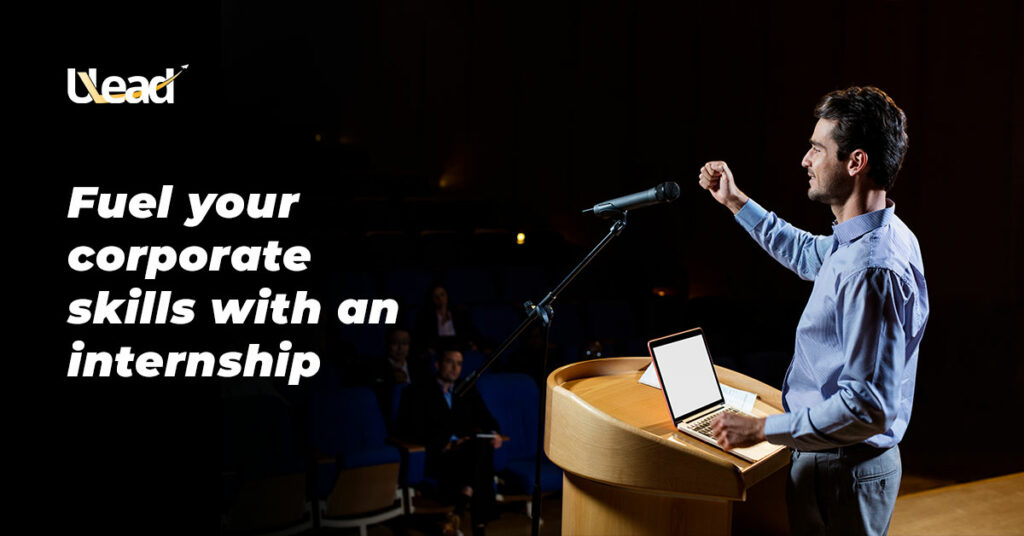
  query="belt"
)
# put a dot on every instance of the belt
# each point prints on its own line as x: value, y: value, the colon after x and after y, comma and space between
x: 858, y: 449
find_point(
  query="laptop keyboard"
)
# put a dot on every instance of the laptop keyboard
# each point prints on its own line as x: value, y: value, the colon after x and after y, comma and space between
x: 703, y: 426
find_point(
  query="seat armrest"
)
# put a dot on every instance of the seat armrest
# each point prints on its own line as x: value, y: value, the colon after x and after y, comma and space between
x: 406, y: 447
x: 414, y: 461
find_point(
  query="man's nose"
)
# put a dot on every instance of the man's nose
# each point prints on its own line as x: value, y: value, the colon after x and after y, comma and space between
x: 806, y: 161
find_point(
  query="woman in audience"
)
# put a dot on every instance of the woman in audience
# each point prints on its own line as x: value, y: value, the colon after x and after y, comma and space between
x: 437, y: 318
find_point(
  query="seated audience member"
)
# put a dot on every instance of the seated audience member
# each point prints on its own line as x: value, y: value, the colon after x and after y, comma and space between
x: 437, y: 318
x: 448, y: 426
x: 395, y: 367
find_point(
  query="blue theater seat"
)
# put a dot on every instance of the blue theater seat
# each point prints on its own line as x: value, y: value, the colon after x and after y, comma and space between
x: 495, y: 322
x: 261, y: 466
x: 368, y: 339
x: 469, y: 285
x: 414, y: 458
x: 357, y: 470
x: 471, y: 361
x: 407, y: 285
x: 343, y: 285
x: 521, y: 283
x: 513, y: 400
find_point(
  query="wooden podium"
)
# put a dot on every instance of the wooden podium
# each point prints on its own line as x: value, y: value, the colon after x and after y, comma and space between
x: 629, y: 471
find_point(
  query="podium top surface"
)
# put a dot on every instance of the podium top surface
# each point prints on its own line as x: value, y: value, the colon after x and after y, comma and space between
x: 604, y: 425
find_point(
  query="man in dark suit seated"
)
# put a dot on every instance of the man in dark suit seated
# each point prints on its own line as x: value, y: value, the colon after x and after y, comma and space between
x: 448, y: 426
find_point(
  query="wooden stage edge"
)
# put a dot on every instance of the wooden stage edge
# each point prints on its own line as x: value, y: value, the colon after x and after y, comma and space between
x: 994, y: 506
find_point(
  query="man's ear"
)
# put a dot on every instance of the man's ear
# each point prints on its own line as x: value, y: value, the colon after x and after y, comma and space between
x: 857, y: 162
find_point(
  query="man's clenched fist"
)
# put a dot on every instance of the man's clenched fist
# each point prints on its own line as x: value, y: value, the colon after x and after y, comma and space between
x: 716, y: 177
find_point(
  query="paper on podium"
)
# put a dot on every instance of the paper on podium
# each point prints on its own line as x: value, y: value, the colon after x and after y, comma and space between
x: 739, y: 399
x: 757, y: 452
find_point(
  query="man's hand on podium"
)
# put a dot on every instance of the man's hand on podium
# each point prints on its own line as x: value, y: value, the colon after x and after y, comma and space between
x: 735, y: 431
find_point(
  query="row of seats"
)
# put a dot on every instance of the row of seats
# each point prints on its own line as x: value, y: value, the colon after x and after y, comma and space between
x: 573, y: 325
x: 494, y: 299
x: 356, y: 475
x: 441, y: 248
x: 741, y: 335
x: 419, y: 213
x: 467, y: 285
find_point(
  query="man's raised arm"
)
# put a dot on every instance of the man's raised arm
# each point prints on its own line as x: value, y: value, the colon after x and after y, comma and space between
x: 796, y: 249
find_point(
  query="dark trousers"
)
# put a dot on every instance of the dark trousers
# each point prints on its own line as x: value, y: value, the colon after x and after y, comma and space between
x: 469, y: 464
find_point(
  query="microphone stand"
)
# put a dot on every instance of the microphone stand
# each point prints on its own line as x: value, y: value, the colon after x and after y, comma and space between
x: 544, y: 312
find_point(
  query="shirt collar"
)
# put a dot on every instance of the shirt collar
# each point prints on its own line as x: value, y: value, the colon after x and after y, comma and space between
x: 854, y: 228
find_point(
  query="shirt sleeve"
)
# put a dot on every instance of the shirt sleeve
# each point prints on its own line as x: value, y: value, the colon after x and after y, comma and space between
x: 796, y: 249
x: 870, y: 308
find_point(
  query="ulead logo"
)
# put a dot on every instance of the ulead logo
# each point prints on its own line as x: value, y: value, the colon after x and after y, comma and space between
x: 114, y: 89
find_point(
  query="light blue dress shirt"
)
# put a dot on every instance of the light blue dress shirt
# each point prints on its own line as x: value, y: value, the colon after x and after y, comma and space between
x: 448, y: 400
x: 851, y: 379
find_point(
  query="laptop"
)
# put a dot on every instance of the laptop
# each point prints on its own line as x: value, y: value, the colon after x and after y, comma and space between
x: 690, y: 385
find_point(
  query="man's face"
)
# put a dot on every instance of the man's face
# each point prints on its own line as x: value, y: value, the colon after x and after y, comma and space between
x: 449, y: 366
x: 440, y: 297
x: 398, y: 345
x: 829, y: 182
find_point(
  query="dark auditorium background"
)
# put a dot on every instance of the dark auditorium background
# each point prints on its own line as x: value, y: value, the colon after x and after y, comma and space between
x: 423, y: 136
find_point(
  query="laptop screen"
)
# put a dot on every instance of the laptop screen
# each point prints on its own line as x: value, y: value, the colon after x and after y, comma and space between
x: 687, y: 375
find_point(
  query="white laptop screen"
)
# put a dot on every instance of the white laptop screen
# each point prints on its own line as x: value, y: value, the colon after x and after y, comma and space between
x: 687, y: 375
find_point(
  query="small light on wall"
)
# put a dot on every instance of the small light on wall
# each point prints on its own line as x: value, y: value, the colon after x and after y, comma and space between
x: 520, y: 238
x: 317, y: 138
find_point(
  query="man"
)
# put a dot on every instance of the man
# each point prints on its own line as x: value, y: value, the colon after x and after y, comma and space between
x: 850, y: 385
x: 431, y: 415
x: 395, y: 368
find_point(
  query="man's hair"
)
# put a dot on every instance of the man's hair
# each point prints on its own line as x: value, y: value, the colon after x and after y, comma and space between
x: 867, y: 119
x: 445, y: 345
x: 395, y: 330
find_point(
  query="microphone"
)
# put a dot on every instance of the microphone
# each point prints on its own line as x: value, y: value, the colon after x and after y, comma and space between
x: 665, y: 192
